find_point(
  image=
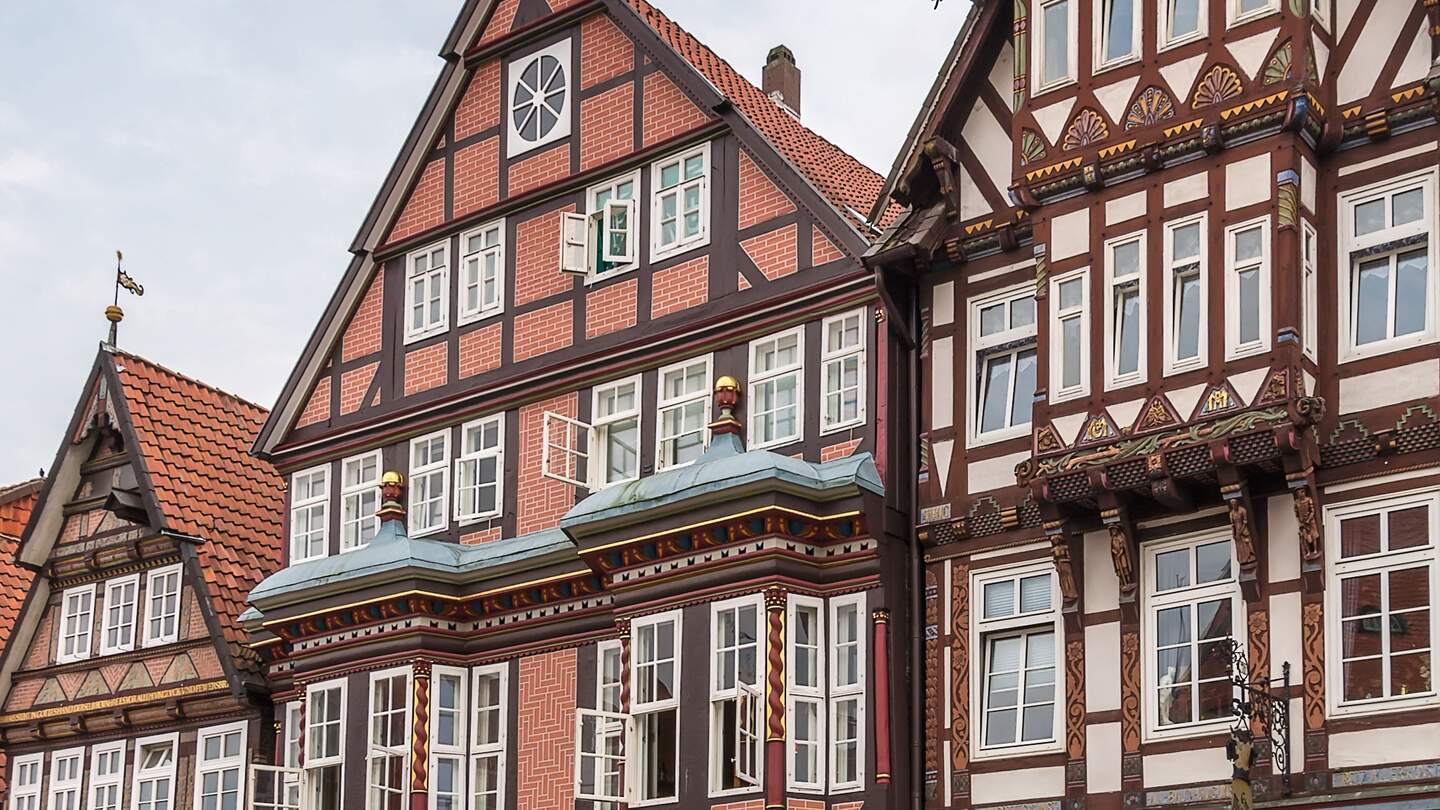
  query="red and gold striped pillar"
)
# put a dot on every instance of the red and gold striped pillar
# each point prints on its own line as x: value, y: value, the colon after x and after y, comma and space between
x: 775, y: 699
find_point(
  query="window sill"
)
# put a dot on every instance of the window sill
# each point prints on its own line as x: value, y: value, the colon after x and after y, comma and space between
x: 1016, y: 752
x: 658, y: 254
x: 1349, y: 354
x: 1198, y: 36
x: 742, y: 791
x: 1124, y: 61
x: 1379, y: 707
x: 843, y: 426
x: 476, y: 317
x: 591, y: 279
x: 1124, y: 382
x: 1041, y: 90
x: 416, y: 337
x: 785, y: 442
x: 1067, y: 396
x: 1191, y: 731
x: 1242, y: 352
x: 998, y: 436
x: 412, y: 533
x: 470, y: 520
x: 1184, y: 367
x: 1251, y: 17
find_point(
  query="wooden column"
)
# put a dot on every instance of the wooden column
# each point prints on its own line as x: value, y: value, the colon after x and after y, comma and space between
x: 775, y: 699
x: 881, y: 657
x: 420, y: 739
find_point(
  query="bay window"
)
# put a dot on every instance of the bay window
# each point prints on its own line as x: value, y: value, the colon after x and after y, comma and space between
x: 1003, y: 358
x: 776, y: 388
x: 429, y: 483
x: 448, y: 738
x: 825, y: 693
x: 482, y: 272
x: 427, y: 292
x: 1309, y: 289
x: 1185, y: 295
x: 1247, y: 289
x: 1069, y: 336
x: 1125, y: 283
x: 324, y: 745
x: 66, y: 773
x: 220, y: 768
x: 487, y: 737
x: 388, y: 754
x: 615, y: 432
x: 736, y: 666
x: 162, y: 606
x: 683, y: 413
x: 77, y: 618
x: 1117, y: 29
x: 655, y: 675
x: 154, y: 781
x: 107, y: 775
x: 1017, y: 637
x: 680, y: 203
x: 842, y: 371
x: 1388, y: 287
x: 359, y: 500
x: 479, y: 469
x: 309, y: 514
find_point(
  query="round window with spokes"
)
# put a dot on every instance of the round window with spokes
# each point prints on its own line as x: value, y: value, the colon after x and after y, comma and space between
x: 539, y: 95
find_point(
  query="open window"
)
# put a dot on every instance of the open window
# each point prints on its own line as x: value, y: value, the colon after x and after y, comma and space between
x: 274, y: 788
x: 737, y: 667
x: 600, y: 755
x: 602, y: 241
x: 749, y: 720
x: 597, y: 454
x: 565, y: 449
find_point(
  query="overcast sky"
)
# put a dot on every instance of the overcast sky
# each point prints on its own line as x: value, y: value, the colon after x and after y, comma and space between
x: 230, y: 148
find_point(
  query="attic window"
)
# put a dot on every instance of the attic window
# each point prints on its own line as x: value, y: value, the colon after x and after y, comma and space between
x: 539, y: 99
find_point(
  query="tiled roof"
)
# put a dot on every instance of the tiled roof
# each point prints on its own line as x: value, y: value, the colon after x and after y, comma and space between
x: 194, y: 442
x: 849, y: 185
x: 16, y: 501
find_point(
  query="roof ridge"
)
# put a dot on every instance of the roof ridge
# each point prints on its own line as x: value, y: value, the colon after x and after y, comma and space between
x: 187, y: 378
x: 8, y: 491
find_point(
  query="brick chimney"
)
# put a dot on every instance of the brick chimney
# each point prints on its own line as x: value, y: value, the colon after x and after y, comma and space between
x: 781, y: 79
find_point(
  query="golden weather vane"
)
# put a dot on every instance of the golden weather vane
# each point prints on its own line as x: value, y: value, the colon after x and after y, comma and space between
x: 113, y: 313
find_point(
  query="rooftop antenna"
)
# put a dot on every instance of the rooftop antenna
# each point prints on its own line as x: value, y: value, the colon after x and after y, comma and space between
x: 113, y: 313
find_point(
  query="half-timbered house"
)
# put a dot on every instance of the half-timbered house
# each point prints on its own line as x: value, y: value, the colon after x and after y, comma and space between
x: 125, y: 681
x: 1170, y: 273
x: 589, y: 454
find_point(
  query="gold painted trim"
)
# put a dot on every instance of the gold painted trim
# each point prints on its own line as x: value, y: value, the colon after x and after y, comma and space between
x: 1171, y: 132
x: 115, y: 703
x: 747, y: 513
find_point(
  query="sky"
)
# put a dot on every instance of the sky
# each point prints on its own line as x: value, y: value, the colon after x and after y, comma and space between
x: 230, y: 148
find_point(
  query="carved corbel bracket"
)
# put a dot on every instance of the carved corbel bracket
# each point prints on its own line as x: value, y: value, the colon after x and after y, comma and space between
x: 1236, y: 494
x: 1163, y: 486
x: 1061, y: 538
x: 944, y: 158
x: 1123, y: 555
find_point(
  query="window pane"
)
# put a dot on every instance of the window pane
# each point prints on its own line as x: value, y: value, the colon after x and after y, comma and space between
x: 1410, y: 674
x: 1214, y: 619
x: 1360, y: 596
x: 1126, y: 259
x: 1407, y: 207
x: 1022, y: 312
x: 1000, y: 727
x: 1038, y: 723
x: 1409, y: 528
x: 1172, y: 569
x: 1057, y: 41
x: 1005, y: 657
x: 1024, y: 396
x: 1369, y: 217
x: 1172, y: 625
x: 1185, y: 242
x: 1371, y: 300
x: 1249, y: 306
x: 1359, y: 536
x: 992, y: 319
x: 1409, y: 589
x: 1410, y: 294
x: 1070, y: 293
x: 1363, y: 679
x: 997, y: 393
x: 1215, y: 699
x: 999, y: 598
x: 1035, y: 593
x: 1212, y: 562
x: 1248, y: 245
x: 1070, y: 330
x: 1127, y: 350
x: 1187, y: 316
x: 1174, y: 705
x: 1184, y: 17
x: 1119, y: 29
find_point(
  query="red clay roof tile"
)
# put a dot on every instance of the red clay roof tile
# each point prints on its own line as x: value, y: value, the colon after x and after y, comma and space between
x: 16, y: 503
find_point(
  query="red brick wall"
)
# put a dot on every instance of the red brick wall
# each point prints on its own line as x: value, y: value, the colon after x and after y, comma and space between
x: 317, y: 409
x: 480, y: 106
x: 426, y: 207
x: 362, y: 334
x: 500, y: 22
x: 680, y: 287
x: 540, y: 501
x: 605, y: 51
x: 353, y: 385
x: 610, y: 309
x: 483, y: 536
x: 607, y: 126
x: 426, y: 368
x: 543, y: 330
x: 773, y: 252
x: 760, y: 199
x: 848, y: 806
x: 839, y: 450
x: 549, y: 166
x: 479, y: 350
x: 545, y: 750
x: 822, y: 250
x: 476, y: 177
x: 537, y: 258
x: 804, y: 804
x: 751, y: 804
x: 668, y: 112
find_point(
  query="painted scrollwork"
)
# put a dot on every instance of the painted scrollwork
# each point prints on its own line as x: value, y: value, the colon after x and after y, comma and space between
x: 1075, y: 698
x: 959, y: 663
x: 1130, y: 692
x: 1313, y: 648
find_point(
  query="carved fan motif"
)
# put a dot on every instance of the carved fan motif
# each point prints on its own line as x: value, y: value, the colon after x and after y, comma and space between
x: 1087, y: 128
x: 1032, y: 148
x: 1220, y: 84
x: 1278, y: 68
x: 1151, y: 107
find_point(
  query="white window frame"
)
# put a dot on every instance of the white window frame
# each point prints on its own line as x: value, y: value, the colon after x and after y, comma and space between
x: 70, y: 785
x: 1059, y: 393
x: 356, y: 493
x: 515, y: 68
x: 570, y: 451
x: 1016, y: 624
x: 720, y: 695
x: 1113, y: 378
x: 498, y: 749
x: 168, y: 772
x: 597, y: 220
x: 474, y: 262
x: 77, y: 608
x: 310, y: 760
x: 310, y: 503
x: 842, y: 692
x: 1234, y: 16
x: 377, y: 753
x: 432, y: 467
x: 1337, y: 569
x: 1173, y: 363
x: 107, y: 778
x: 1234, y: 349
x: 1427, y: 180
x: 1320, y: 10
x: 1165, y: 41
x: 658, y: 249
x: 151, y: 578
x: 759, y: 378
x: 634, y: 754
x: 1309, y: 290
x: 988, y: 345
x: 434, y: 280
x: 602, y: 649
x: 236, y: 763
x: 599, y: 454
x: 454, y: 753
x: 112, y: 601
x: 796, y: 695
x: 293, y: 740
x: 1101, y: 36
x: 25, y: 793
x: 1192, y: 595
x: 463, y: 458
x: 1037, y: 60
x: 665, y: 402
x: 830, y: 356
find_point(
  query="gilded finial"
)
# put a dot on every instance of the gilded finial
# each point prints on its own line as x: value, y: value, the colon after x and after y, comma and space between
x: 727, y: 398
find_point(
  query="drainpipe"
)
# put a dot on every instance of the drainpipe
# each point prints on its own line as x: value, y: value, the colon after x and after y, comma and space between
x: 917, y: 577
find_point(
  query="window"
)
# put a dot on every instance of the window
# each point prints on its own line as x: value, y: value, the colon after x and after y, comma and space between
x: 1017, y: 634
x: 107, y: 775
x: 847, y: 693
x: 427, y: 292
x: 615, y: 435
x: 324, y: 744
x: 154, y: 786
x: 1002, y: 342
x: 162, y: 606
x: 1309, y: 289
x: 478, y: 470
x: 429, y: 483
x: 539, y: 99
x: 1069, y: 336
x: 388, y: 756
x: 66, y: 773
x: 1383, y: 578
x: 842, y: 358
x: 1125, y: 311
x: 487, y: 744
x: 776, y: 388
x: 602, y: 242
x: 1185, y: 299
x: 482, y: 272
x: 309, y: 514
x: 735, y: 708
x: 220, y: 768
x: 1242, y: 11
x: 684, y: 413
x: 607, y: 679
x: 1055, y: 44
x: 805, y: 694
x: 680, y: 204
x: 1320, y: 10
x: 1193, y: 611
x: 25, y: 787
x: 77, y: 617
x: 448, y: 738
x: 1247, y: 289
x: 359, y: 500
x: 655, y: 642
x: 1117, y: 33
x: 117, y: 630
x: 1389, y: 291
x: 1182, y: 21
